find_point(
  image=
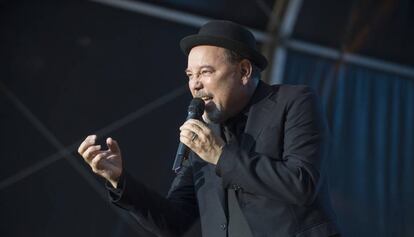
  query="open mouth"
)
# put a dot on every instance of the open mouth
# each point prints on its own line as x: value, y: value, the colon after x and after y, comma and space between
x: 206, y: 99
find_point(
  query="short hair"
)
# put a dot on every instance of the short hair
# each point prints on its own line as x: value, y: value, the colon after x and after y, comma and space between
x: 234, y: 57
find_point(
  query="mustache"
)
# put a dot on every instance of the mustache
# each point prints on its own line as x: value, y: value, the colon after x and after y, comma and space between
x: 202, y: 94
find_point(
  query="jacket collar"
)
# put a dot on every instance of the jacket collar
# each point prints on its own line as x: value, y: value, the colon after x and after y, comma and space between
x: 258, y: 117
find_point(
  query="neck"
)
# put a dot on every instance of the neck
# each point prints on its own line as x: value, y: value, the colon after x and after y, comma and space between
x: 244, y: 100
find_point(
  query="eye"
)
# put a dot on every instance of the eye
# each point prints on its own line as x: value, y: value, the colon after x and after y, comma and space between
x: 206, y: 72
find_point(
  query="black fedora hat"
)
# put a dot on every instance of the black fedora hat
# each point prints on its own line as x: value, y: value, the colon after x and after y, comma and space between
x: 229, y: 35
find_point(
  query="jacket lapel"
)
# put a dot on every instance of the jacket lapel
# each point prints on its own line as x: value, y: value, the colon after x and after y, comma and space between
x: 212, y: 171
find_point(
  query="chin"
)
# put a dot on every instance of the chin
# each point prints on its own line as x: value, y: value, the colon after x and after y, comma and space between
x: 212, y: 117
x: 212, y: 114
x: 206, y: 119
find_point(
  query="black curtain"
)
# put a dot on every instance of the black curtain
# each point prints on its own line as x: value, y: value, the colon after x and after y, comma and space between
x: 371, y: 163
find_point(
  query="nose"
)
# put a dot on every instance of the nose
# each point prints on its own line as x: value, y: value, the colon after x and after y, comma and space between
x: 196, y: 85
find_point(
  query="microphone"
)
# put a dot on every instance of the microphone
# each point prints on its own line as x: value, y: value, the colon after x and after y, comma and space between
x: 195, y: 111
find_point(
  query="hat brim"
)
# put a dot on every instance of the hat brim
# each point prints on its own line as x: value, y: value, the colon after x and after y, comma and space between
x: 191, y: 41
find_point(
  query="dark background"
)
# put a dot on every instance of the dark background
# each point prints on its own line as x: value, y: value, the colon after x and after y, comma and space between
x: 73, y: 68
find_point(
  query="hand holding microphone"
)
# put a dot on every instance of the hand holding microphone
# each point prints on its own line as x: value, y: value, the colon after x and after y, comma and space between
x: 198, y: 137
x: 195, y: 111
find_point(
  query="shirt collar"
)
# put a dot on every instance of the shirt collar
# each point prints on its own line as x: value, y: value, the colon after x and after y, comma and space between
x: 259, y: 94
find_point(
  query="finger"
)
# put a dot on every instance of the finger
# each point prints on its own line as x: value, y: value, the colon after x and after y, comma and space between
x: 89, y: 140
x: 190, y: 122
x: 187, y: 134
x: 113, y: 145
x: 91, y: 152
x: 206, y: 130
x: 187, y: 141
x: 191, y: 135
x: 188, y: 125
x: 96, y: 161
x: 198, y: 123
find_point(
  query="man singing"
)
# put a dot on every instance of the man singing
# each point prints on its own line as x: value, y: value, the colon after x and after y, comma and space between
x: 259, y: 174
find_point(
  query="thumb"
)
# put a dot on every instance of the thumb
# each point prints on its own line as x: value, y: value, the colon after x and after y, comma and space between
x: 112, y: 145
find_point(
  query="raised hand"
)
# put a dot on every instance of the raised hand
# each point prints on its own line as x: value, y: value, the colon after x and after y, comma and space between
x: 106, y: 163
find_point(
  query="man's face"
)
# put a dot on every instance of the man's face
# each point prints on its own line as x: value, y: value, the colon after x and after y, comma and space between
x: 216, y: 80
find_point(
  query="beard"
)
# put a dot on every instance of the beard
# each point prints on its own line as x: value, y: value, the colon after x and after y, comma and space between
x: 213, y: 114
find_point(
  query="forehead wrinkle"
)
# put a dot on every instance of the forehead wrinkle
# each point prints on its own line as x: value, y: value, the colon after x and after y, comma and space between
x: 200, y: 67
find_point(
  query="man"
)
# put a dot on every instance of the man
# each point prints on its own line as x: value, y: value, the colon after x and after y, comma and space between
x: 259, y: 175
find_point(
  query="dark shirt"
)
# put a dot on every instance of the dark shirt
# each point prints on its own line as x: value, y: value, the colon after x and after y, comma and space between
x: 234, y: 127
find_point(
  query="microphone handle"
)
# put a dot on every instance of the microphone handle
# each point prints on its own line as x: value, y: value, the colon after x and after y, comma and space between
x: 183, y: 150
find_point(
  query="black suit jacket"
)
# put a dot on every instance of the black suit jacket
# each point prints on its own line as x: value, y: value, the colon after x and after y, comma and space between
x: 277, y: 165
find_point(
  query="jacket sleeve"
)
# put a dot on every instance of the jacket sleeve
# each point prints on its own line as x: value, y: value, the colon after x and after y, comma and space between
x: 294, y: 177
x: 164, y: 216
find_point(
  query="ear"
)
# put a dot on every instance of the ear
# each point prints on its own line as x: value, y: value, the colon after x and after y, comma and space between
x: 246, y: 71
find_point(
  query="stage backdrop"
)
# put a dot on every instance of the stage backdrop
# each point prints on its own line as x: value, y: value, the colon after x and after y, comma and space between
x: 370, y: 115
x: 71, y: 68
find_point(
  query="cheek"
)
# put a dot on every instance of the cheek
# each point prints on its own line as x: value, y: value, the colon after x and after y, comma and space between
x: 222, y: 97
x: 191, y: 87
x: 221, y: 87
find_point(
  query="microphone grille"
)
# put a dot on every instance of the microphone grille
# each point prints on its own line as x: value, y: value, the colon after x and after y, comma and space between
x: 196, y: 106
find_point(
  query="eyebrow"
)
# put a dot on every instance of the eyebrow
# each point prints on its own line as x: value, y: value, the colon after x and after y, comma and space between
x: 203, y: 66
